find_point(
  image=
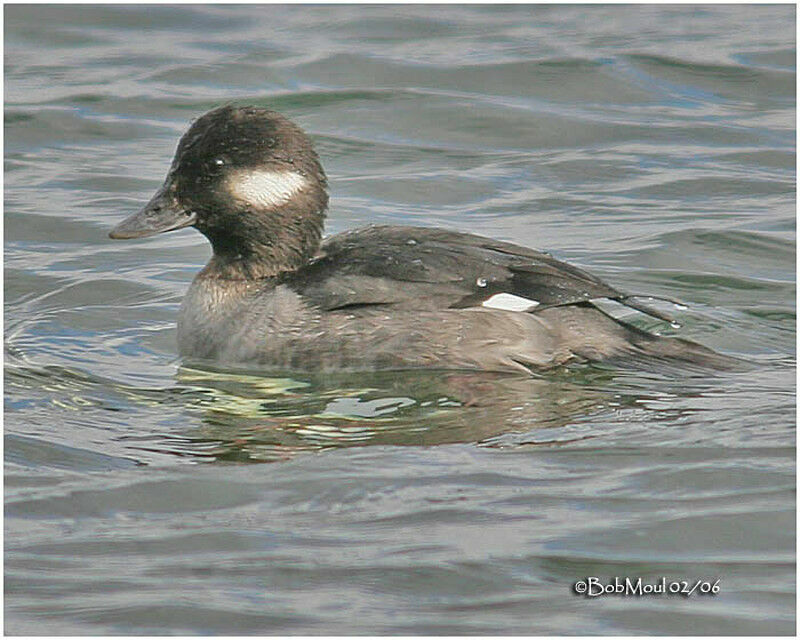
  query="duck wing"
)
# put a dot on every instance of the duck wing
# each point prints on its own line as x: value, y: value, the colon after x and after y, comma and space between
x: 417, y: 268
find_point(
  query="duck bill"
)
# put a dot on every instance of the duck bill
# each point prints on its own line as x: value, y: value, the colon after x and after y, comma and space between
x: 159, y: 215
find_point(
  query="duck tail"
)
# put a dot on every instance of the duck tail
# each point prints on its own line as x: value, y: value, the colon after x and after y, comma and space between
x: 593, y: 335
x: 683, y: 352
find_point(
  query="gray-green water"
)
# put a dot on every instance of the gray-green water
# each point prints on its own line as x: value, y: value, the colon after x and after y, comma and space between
x: 652, y: 145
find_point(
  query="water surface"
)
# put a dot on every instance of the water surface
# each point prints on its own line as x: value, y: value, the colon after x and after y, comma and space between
x: 653, y: 145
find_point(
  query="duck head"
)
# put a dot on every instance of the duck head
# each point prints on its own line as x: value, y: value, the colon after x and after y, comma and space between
x: 250, y: 181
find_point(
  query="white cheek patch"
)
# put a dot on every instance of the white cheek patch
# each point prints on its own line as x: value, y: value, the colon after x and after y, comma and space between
x: 509, y: 302
x: 265, y: 188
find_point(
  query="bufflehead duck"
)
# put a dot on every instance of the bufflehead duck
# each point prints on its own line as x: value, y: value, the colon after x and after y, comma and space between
x: 383, y: 297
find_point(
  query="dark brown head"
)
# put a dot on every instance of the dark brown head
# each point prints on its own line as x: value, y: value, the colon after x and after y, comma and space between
x: 250, y: 181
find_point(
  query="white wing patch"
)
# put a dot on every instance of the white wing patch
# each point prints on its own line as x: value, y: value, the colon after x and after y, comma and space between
x: 264, y: 188
x: 509, y: 302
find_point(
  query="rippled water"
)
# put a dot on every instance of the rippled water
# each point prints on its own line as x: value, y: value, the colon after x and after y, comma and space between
x: 653, y: 145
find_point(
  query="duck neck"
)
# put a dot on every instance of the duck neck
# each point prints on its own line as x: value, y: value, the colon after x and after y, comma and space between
x: 264, y: 244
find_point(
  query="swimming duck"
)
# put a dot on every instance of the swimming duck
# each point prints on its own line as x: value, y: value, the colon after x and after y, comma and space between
x: 275, y: 295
